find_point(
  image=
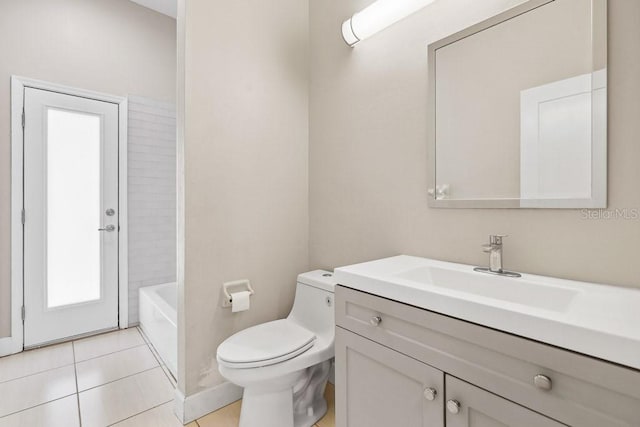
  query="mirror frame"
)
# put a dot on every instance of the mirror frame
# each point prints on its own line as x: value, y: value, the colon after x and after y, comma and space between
x: 599, y: 129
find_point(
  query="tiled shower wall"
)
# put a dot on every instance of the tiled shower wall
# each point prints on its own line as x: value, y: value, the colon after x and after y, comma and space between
x: 152, y: 196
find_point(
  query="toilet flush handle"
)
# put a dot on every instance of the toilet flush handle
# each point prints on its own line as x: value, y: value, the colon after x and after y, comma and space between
x: 375, y: 320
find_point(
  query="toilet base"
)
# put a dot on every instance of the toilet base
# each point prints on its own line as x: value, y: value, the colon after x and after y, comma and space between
x: 272, y: 409
x: 295, y: 400
x: 276, y: 410
x: 309, y: 404
x: 310, y: 418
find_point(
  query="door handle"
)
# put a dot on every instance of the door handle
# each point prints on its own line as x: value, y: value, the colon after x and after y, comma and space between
x: 108, y: 228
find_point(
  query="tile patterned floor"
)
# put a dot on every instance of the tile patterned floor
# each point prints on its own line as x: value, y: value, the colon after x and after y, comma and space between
x: 113, y: 379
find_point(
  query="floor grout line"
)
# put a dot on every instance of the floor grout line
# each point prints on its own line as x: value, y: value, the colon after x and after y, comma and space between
x: 72, y: 342
x: 75, y: 370
x: 111, y: 352
x: 35, y: 406
x: 144, y: 335
x: 78, y: 362
x: 157, y: 357
x: 140, y: 413
x: 37, y: 373
x: 173, y: 381
x: 167, y: 374
x: 75, y: 363
x: 118, y: 379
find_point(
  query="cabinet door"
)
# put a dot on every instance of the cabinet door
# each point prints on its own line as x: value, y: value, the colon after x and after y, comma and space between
x: 379, y: 387
x: 470, y: 406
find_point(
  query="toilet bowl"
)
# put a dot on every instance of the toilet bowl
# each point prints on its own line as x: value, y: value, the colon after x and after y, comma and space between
x: 284, y: 365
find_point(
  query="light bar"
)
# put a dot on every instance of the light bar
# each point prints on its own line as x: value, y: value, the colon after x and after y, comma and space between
x: 377, y: 17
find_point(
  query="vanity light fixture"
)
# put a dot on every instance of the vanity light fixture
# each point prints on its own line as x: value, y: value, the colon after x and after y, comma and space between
x: 378, y: 16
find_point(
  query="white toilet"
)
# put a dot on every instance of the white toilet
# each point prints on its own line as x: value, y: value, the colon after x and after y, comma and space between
x: 284, y: 365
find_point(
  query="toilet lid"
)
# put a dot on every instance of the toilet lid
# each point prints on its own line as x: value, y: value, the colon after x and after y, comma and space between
x: 265, y: 344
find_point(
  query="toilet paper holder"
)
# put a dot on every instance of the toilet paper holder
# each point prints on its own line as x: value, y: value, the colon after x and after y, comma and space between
x: 235, y: 286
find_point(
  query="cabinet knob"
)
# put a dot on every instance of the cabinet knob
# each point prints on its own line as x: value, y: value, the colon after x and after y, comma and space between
x: 375, y: 320
x: 453, y: 406
x: 430, y: 393
x: 543, y: 382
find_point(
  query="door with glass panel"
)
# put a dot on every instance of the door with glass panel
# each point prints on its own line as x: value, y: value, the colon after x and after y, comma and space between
x: 71, y: 216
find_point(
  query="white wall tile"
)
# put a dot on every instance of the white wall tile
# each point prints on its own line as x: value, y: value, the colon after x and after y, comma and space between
x: 152, y: 196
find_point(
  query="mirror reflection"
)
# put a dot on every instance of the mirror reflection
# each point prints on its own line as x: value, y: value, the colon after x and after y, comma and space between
x: 519, y: 109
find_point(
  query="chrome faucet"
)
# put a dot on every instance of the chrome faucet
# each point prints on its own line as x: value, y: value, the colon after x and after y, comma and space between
x: 494, y: 249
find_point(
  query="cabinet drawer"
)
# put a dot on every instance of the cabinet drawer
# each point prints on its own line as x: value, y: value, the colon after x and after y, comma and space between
x: 584, y: 391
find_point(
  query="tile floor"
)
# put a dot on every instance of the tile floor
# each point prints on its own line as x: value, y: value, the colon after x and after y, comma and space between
x: 113, y: 379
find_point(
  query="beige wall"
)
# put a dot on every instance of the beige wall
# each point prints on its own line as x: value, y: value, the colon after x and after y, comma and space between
x: 368, y: 155
x: 112, y: 46
x: 244, y: 124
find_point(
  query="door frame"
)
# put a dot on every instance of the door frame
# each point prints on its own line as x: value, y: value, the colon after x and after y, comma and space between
x: 15, y: 342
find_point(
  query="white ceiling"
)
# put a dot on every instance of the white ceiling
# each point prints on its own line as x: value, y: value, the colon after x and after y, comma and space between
x: 166, y: 7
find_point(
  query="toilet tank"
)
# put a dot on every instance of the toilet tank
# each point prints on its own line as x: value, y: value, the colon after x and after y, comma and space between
x: 313, y: 306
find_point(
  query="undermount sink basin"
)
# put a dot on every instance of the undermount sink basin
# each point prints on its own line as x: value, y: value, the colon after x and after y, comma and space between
x: 516, y: 290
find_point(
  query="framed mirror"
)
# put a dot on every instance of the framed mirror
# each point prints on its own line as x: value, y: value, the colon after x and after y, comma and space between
x: 518, y: 109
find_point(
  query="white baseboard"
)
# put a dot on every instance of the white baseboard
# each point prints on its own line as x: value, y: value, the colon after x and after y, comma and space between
x: 192, y: 407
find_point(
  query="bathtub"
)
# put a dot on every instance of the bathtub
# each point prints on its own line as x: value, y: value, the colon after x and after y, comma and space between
x: 158, y: 320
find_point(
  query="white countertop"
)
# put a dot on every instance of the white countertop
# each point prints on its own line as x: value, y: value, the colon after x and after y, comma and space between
x: 597, y: 320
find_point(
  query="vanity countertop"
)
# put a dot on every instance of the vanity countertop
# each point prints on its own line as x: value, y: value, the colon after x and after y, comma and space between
x: 597, y: 320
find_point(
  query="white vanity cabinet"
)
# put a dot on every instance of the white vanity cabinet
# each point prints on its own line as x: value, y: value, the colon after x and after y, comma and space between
x: 385, y: 388
x: 389, y: 356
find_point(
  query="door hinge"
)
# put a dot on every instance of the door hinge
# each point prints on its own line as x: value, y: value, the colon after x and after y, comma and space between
x: 23, y: 314
x: 23, y: 118
x: 23, y: 216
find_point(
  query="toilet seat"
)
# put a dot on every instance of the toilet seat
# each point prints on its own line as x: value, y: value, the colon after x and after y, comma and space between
x: 265, y: 344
